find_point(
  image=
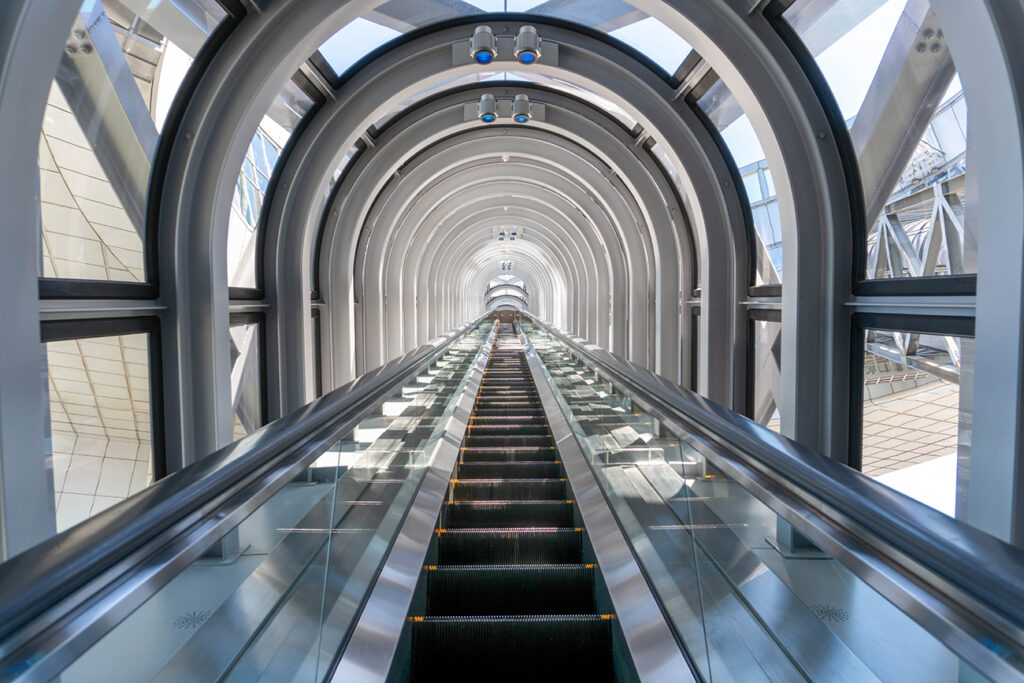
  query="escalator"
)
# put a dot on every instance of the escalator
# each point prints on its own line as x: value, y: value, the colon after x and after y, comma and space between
x: 511, y: 503
x: 510, y: 595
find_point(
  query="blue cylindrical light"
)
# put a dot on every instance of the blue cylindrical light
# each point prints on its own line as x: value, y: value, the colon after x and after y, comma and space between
x: 488, y: 118
x: 483, y: 48
x: 527, y: 57
x: 521, y: 109
x: 527, y: 45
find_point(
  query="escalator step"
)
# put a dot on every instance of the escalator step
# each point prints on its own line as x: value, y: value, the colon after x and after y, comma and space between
x: 509, y: 470
x: 480, y: 590
x: 511, y: 454
x: 516, y: 420
x: 509, y: 489
x: 499, y: 514
x: 483, y: 441
x: 532, y: 410
x: 510, y: 546
x: 571, y: 648
x: 502, y: 429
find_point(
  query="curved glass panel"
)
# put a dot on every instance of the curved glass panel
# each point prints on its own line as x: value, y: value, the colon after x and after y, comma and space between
x: 276, y: 128
x: 247, y: 203
x: 924, y: 229
x: 122, y: 65
x: 506, y: 290
x: 621, y: 20
x: 850, y: 63
x: 354, y: 41
x: 739, y: 136
x: 662, y: 45
x: 891, y: 73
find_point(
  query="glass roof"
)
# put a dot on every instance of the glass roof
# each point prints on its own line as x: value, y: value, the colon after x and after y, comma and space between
x: 850, y: 63
x: 505, y: 5
x: 658, y: 42
x: 354, y: 41
x: 621, y: 20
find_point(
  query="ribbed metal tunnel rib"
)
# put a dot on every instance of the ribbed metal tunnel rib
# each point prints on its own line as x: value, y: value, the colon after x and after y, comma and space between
x: 511, y: 595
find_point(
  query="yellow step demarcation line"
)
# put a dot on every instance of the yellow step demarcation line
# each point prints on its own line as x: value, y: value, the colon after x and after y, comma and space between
x: 604, y: 617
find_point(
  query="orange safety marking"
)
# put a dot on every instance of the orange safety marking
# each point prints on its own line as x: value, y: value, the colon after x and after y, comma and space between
x: 570, y: 501
x: 579, y: 528
x: 589, y: 566
x: 415, y: 618
x: 430, y: 567
x: 439, y: 531
x: 607, y: 617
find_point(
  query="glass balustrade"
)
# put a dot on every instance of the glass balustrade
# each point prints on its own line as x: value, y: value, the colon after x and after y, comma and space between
x: 275, y: 596
x: 749, y: 598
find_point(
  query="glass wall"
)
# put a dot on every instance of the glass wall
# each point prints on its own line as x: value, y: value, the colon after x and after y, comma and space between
x: 112, y: 92
x: 721, y: 108
x: 250, y: 191
x: 912, y: 421
x: 100, y: 422
x: 763, y: 391
x: 247, y: 371
x: 887, y: 64
x: 261, y: 158
x: 922, y: 229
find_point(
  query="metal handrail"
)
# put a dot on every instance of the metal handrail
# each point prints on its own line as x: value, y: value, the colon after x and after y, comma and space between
x: 978, y: 566
x: 36, y: 580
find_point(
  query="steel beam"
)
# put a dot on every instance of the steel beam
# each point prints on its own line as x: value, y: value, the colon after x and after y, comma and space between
x: 984, y: 37
x: 904, y: 95
x: 32, y: 36
x: 98, y: 84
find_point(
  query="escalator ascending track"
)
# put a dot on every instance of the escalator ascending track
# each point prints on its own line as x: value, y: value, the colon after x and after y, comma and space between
x: 511, y: 595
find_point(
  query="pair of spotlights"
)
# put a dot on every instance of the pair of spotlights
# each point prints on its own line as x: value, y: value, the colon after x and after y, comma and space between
x: 483, y: 48
x: 488, y: 110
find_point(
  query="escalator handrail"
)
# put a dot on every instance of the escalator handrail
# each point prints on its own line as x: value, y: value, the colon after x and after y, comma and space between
x: 41, y: 577
x: 983, y: 567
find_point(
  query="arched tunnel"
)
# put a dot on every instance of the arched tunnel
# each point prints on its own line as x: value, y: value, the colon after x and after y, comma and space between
x: 742, y: 266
